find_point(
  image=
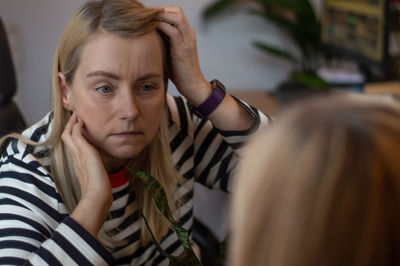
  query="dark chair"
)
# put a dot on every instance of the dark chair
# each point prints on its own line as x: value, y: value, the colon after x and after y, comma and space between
x: 11, y: 119
x: 207, y: 242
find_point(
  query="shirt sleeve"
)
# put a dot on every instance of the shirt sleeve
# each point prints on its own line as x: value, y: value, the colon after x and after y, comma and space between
x: 34, y: 230
x: 216, y: 152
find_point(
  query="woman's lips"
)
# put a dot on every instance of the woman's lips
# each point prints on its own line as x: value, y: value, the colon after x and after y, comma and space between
x: 127, y: 134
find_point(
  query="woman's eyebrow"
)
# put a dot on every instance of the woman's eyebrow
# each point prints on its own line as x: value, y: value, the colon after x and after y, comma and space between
x: 102, y: 73
x: 149, y: 76
x: 116, y: 77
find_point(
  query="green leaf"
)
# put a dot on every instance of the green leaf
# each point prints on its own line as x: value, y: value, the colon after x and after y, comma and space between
x: 158, y: 194
x: 297, y: 19
x: 293, y: 5
x: 302, y: 8
x: 162, y: 252
x: 184, y: 259
x: 216, y: 8
x: 275, y: 51
x: 295, y: 31
x: 310, y: 80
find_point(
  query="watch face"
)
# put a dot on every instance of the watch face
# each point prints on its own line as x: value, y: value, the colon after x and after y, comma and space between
x: 217, y: 83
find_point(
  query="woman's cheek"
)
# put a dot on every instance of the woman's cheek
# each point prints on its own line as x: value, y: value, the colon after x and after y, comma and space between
x: 90, y: 131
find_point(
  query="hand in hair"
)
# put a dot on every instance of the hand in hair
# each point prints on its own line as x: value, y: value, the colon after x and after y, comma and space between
x: 187, y: 75
x: 96, y: 195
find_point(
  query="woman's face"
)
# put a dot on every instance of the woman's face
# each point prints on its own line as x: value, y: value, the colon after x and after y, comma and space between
x: 118, y: 91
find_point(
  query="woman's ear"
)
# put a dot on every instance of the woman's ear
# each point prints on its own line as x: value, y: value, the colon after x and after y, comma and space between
x: 65, y: 92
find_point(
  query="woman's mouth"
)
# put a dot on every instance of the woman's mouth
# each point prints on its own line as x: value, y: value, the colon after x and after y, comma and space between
x: 127, y: 134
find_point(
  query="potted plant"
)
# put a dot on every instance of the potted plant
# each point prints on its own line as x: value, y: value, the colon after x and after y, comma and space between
x: 298, y: 20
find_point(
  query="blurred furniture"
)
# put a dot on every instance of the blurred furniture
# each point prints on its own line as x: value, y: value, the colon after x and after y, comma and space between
x: 261, y: 100
x: 208, y: 243
x: 390, y: 87
x: 11, y: 119
x: 265, y: 101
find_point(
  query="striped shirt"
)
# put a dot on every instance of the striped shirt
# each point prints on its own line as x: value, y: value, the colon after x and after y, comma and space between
x: 35, y: 227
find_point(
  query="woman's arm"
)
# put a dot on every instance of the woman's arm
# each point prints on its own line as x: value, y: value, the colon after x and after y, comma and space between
x: 201, y: 150
x: 35, y: 228
x: 188, y: 77
x: 217, y: 139
x: 96, y: 195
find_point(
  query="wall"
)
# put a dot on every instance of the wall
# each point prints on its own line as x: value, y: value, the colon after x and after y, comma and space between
x: 224, y: 47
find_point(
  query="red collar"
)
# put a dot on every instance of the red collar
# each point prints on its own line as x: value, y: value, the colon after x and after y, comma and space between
x: 120, y: 178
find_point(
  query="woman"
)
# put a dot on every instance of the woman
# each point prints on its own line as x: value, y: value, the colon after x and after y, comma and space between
x: 321, y: 187
x: 65, y: 192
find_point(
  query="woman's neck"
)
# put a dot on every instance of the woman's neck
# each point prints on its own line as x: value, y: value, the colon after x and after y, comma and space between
x: 113, y: 165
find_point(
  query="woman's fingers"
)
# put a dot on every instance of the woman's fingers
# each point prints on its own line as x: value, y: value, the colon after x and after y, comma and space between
x: 172, y: 32
x: 67, y: 133
x: 73, y: 134
x: 176, y: 20
x: 171, y: 9
x: 187, y: 75
x: 71, y: 122
x: 175, y: 17
x: 77, y: 134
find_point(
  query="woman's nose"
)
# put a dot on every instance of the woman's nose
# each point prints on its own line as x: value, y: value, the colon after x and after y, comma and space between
x: 128, y: 106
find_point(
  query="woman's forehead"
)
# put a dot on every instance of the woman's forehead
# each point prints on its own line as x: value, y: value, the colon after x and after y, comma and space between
x: 123, y: 56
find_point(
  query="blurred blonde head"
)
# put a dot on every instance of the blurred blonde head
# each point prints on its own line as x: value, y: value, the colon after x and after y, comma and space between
x: 321, y: 187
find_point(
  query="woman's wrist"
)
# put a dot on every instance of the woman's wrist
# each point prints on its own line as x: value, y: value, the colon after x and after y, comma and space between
x: 199, y: 93
x: 91, y: 212
x: 212, y: 102
x: 230, y: 115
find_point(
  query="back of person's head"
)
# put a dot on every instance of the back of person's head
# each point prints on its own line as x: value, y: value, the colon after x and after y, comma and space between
x: 321, y: 187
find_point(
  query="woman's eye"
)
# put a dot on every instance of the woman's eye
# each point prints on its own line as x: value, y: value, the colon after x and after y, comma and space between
x: 147, y: 87
x: 104, y: 89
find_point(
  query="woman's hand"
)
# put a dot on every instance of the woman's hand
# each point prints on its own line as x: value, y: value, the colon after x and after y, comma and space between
x: 187, y: 75
x: 96, y: 195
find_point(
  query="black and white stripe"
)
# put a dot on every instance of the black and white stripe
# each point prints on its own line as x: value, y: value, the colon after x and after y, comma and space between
x: 36, y: 229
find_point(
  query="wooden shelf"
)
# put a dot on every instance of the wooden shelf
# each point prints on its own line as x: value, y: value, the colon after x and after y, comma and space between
x: 392, y: 87
x: 258, y: 99
x: 266, y: 103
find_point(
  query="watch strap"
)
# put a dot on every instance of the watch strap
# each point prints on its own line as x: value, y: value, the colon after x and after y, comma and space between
x: 212, y: 102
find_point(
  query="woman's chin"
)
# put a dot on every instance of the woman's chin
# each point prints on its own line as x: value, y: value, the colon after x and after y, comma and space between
x: 120, y: 153
x: 127, y: 154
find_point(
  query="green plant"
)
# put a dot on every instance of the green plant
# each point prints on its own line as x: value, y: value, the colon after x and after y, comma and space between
x: 187, y: 258
x: 298, y: 20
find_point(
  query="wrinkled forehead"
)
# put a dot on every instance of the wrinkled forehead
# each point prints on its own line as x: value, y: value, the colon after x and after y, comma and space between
x: 124, y: 56
x: 157, y: 37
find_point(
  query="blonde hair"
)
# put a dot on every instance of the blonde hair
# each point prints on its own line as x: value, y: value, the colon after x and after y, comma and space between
x: 321, y: 187
x: 128, y: 19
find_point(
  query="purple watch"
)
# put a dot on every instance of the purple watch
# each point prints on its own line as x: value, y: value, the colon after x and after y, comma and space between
x: 212, y: 102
